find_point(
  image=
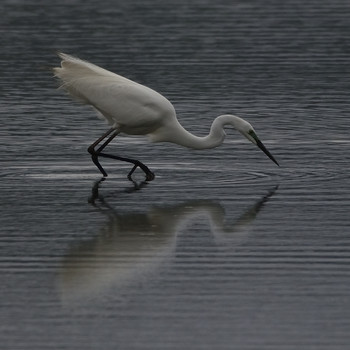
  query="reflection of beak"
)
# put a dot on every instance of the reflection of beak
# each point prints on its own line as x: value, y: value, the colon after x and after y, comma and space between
x: 263, y: 148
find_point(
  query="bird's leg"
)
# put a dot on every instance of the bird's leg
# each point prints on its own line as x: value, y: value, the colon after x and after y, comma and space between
x: 91, y: 148
x: 149, y: 174
x: 137, y: 163
x: 95, y: 153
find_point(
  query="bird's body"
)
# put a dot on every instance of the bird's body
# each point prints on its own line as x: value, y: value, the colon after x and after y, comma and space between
x: 135, y: 109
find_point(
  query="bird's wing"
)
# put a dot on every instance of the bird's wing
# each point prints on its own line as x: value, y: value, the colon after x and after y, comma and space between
x: 126, y: 104
x: 73, y: 68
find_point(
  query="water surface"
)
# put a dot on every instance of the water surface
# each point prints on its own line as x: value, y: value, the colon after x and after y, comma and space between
x: 223, y: 249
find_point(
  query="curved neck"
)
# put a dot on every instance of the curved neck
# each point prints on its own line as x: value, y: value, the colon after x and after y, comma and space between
x: 215, y: 138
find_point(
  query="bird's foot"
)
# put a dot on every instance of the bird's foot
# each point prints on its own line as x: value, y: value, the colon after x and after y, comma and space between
x: 149, y: 174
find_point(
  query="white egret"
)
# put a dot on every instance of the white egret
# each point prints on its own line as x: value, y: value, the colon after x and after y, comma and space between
x: 135, y: 109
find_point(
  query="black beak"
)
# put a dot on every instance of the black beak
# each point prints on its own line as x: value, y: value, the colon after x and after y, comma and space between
x: 263, y: 148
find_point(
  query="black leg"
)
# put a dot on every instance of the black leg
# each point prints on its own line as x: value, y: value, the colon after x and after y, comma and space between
x: 91, y: 148
x: 96, y: 153
x: 149, y: 174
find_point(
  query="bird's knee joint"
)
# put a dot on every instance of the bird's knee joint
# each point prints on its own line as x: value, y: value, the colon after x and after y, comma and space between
x: 91, y: 150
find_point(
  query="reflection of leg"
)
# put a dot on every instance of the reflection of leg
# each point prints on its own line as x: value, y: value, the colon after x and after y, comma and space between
x: 95, y: 153
x: 94, y: 191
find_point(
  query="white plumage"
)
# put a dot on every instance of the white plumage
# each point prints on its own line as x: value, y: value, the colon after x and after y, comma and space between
x: 135, y: 109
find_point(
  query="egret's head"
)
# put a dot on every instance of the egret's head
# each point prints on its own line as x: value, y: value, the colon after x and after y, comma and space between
x: 248, y: 131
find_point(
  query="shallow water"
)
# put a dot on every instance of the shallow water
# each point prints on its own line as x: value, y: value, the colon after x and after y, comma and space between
x: 223, y: 249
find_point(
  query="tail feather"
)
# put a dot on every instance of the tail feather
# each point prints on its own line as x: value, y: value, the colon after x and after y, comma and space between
x: 74, y: 69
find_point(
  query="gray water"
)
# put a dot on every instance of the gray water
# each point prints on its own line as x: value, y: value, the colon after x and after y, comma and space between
x: 223, y: 250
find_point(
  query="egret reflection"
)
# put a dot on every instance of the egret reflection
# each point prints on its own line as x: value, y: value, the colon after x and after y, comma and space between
x: 130, y: 247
